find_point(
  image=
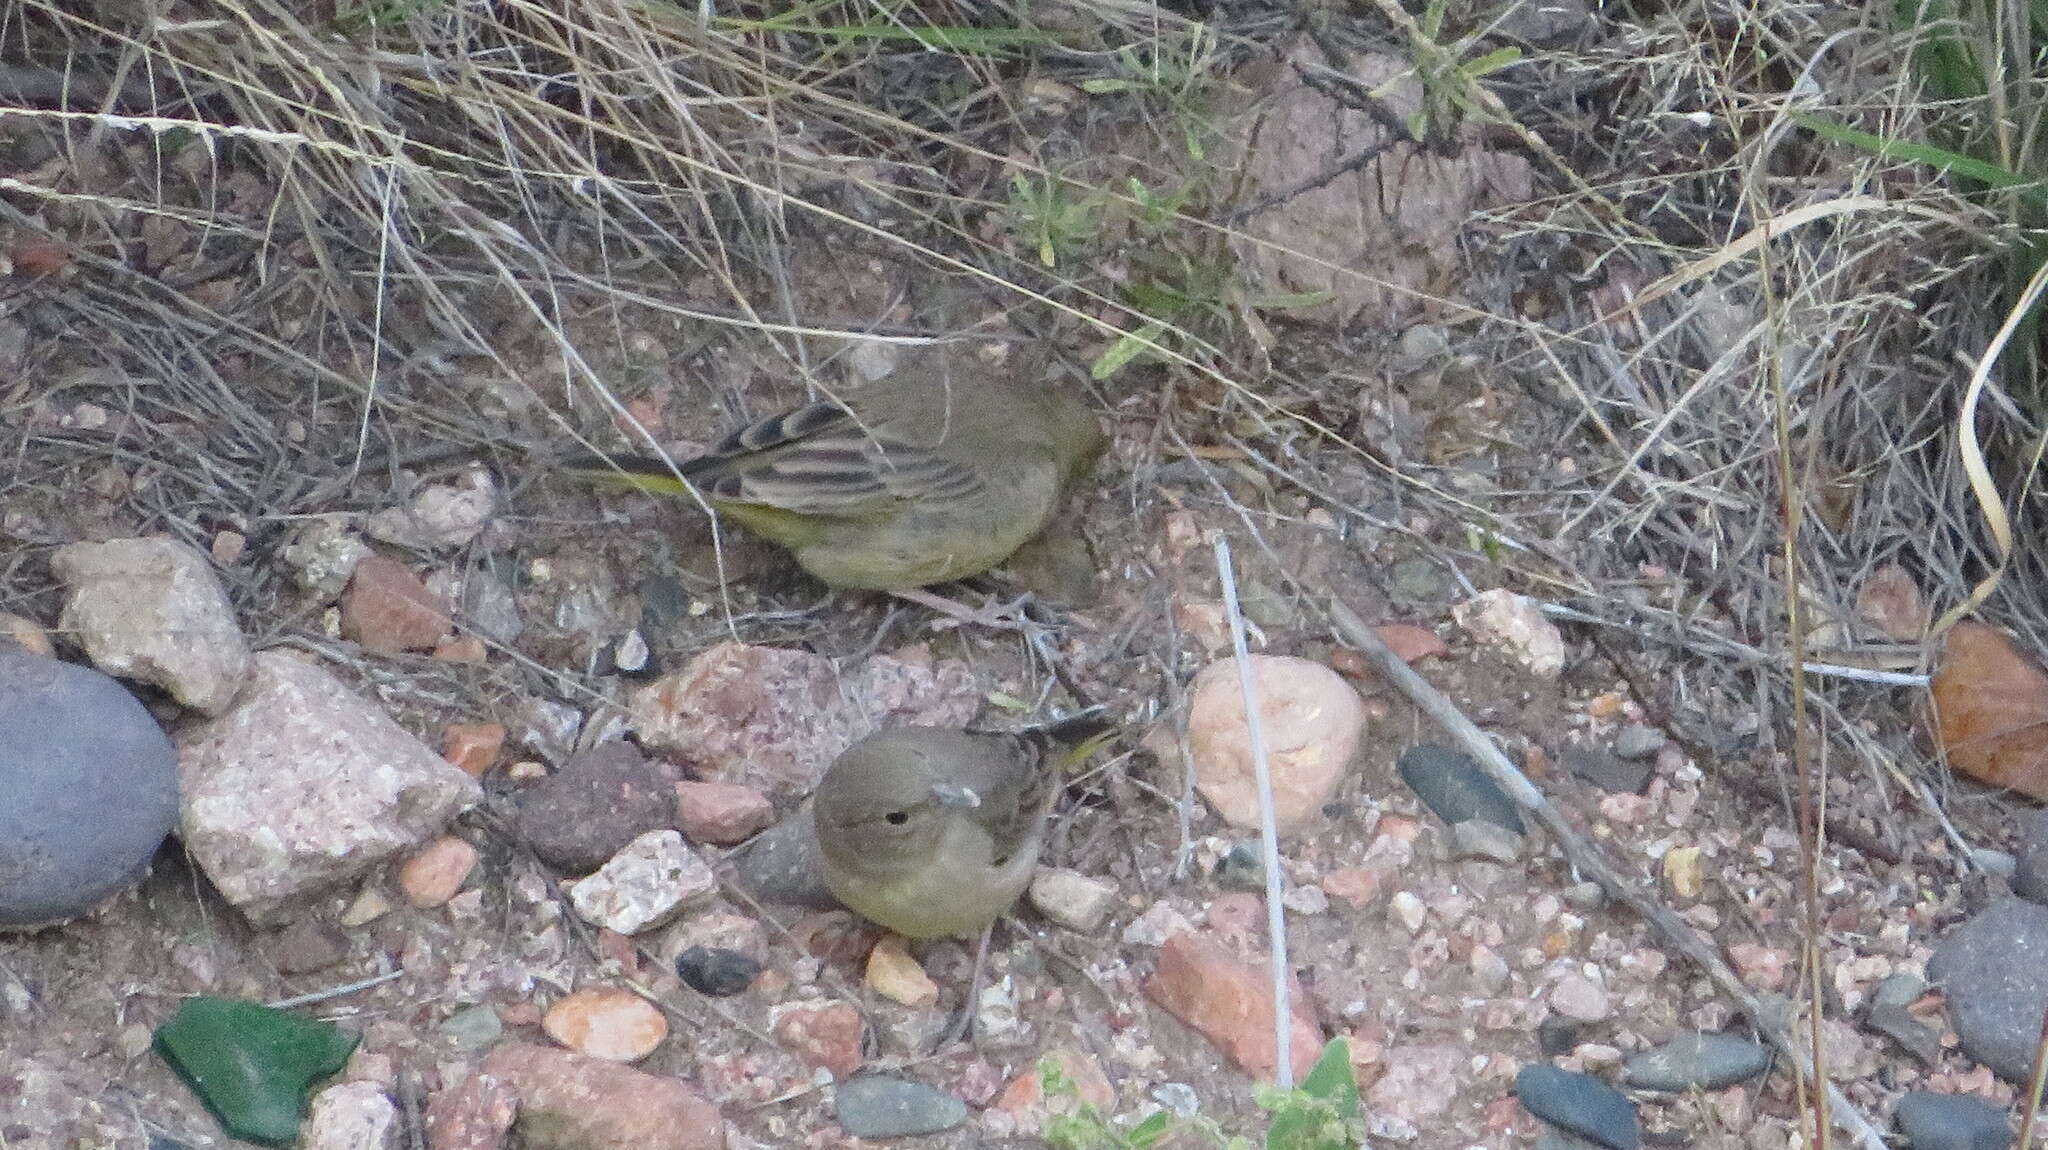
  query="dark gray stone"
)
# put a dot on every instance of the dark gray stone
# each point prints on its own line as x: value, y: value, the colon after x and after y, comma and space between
x: 716, y: 971
x: 1579, y: 1104
x: 1698, y: 1061
x: 1558, y: 1036
x: 1456, y: 789
x: 1602, y: 769
x: 601, y: 799
x: 782, y: 864
x: 90, y: 788
x: 883, y: 1106
x: 2030, y: 858
x: 1994, y: 970
x: 1952, y: 1122
x: 1241, y: 867
x: 1637, y: 741
x: 1898, y: 1024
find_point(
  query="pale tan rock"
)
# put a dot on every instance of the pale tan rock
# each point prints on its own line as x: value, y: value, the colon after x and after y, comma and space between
x: 27, y: 634
x: 1071, y: 899
x: 351, y: 1116
x: 1517, y: 627
x: 606, y: 1022
x: 1312, y: 722
x: 153, y: 610
x: 370, y: 904
x: 1682, y: 871
x: 896, y: 976
x: 436, y: 874
x: 655, y: 878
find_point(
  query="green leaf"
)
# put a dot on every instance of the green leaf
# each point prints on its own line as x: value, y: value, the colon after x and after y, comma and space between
x: 1290, y: 300
x: 1493, y: 61
x: 1124, y: 350
x: 1151, y: 1130
x: 1936, y: 157
x: 1330, y: 1078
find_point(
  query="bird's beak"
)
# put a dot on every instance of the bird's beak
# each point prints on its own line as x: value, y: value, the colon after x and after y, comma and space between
x: 955, y: 796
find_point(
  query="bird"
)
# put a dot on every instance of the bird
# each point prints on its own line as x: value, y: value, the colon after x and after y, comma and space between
x: 938, y: 472
x: 934, y: 832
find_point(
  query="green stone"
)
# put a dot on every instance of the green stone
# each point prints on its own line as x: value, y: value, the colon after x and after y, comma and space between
x: 251, y: 1064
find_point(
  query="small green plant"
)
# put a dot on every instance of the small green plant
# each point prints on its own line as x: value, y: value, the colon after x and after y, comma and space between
x: 1450, y: 80
x: 1322, y: 1113
x: 1052, y: 217
x: 1175, y: 75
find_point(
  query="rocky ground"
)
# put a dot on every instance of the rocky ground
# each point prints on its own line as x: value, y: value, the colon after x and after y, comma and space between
x: 466, y: 763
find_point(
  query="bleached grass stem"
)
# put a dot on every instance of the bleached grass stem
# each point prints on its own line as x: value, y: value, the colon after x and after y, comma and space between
x: 1269, y: 833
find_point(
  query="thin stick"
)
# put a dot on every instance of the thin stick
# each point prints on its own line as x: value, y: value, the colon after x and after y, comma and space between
x: 1269, y: 832
x: 1588, y: 858
x: 335, y: 991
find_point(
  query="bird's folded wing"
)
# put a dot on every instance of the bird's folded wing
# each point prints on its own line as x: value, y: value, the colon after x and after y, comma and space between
x: 818, y: 460
x: 1022, y: 781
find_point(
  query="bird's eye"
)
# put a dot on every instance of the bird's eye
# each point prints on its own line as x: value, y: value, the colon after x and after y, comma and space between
x: 897, y: 818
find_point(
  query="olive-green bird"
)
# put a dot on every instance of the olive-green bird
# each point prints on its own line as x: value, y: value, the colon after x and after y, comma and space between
x: 933, y: 833
x: 936, y: 473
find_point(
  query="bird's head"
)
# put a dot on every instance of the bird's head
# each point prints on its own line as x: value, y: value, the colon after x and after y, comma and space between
x: 885, y: 804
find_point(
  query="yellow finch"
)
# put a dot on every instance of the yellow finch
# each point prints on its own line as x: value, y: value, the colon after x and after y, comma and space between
x: 936, y: 473
x: 933, y: 833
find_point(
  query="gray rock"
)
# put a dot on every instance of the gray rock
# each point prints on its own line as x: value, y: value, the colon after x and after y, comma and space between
x: 305, y: 785
x: 1606, y: 771
x: 883, y: 1106
x: 1547, y: 23
x: 1898, y: 1024
x: 153, y: 610
x: 1480, y: 839
x: 600, y: 800
x: 473, y: 1027
x: 1579, y: 1104
x: 1902, y: 989
x: 1994, y: 969
x: 1952, y: 1122
x: 1639, y: 742
x: 1420, y: 581
x: 91, y: 788
x: 1456, y: 789
x: 782, y: 864
x: 2030, y: 862
x: 1698, y: 1061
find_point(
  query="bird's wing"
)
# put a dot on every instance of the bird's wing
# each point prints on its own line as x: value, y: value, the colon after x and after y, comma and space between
x: 820, y: 460
x: 1017, y: 778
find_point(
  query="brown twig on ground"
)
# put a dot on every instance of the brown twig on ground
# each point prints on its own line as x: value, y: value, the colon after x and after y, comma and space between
x: 1588, y: 859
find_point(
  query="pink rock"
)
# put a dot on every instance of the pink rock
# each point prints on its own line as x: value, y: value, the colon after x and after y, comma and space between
x: 473, y: 1115
x: 721, y: 813
x: 582, y: 1101
x: 1420, y: 1081
x: 823, y: 1034
x: 388, y: 609
x: 774, y: 718
x: 1579, y: 998
x: 1312, y: 722
x: 1411, y: 643
x: 1759, y: 965
x: 1229, y: 1000
x: 606, y: 1022
x: 305, y: 785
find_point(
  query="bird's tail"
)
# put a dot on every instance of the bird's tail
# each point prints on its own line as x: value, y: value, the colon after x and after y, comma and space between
x: 629, y: 472
x: 1077, y: 736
